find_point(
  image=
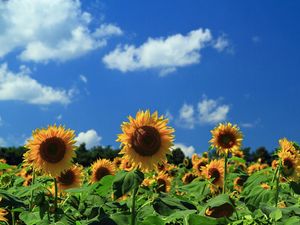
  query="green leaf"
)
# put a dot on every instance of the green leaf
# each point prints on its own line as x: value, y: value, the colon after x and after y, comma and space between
x: 167, y: 205
x: 151, y: 220
x: 296, y: 187
x: 218, y: 201
x: 126, y: 181
x: 276, y: 215
x: 10, y: 200
x: 4, y: 166
x: 105, y: 186
x: 194, y: 219
x: 30, y: 218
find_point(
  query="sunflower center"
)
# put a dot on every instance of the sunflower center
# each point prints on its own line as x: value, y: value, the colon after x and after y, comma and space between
x: 240, y: 181
x: 146, y: 141
x: 162, y: 185
x: 189, y: 178
x: 101, y: 172
x: 288, y: 167
x: 226, y: 140
x: 215, y: 174
x: 53, y: 150
x: 200, y: 165
x: 66, y: 178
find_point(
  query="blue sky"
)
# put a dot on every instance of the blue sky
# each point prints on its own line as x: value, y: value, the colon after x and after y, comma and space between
x: 90, y: 64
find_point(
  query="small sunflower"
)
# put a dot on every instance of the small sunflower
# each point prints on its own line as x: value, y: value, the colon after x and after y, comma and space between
x: 117, y: 162
x: 224, y: 210
x: 215, y: 172
x: 290, y: 166
x: 265, y: 186
x: 238, y: 183
x: 126, y: 164
x: 226, y: 138
x: 200, y: 165
x: 71, y: 178
x: 3, y: 213
x: 101, y: 168
x: 162, y: 167
x: 195, y: 158
x: 163, y: 183
x: 188, y: 178
x: 146, y: 140
x: 287, y: 146
x: 51, y: 150
x: 2, y: 160
x: 238, y: 153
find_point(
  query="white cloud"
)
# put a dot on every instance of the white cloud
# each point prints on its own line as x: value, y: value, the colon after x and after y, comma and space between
x: 44, y: 30
x: 221, y: 43
x: 21, y: 87
x: 90, y: 138
x: 59, y: 117
x: 211, y: 112
x: 83, y: 78
x: 169, y: 116
x: 106, y: 30
x: 2, y: 142
x: 187, y: 150
x: 164, y: 54
x: 187, y: 116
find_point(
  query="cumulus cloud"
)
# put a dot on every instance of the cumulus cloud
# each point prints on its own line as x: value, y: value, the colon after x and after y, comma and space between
x: 164, y: 54
x: 211, y: 112
x: 49, y: 30
x: 207, y: 111
x: 221, y: 43
x: 187, y: 150
x: 90, y: 138
x: 20, y: 86
x: 187, y: 116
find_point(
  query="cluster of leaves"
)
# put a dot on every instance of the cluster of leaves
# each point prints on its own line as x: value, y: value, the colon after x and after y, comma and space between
x: 109, y: 201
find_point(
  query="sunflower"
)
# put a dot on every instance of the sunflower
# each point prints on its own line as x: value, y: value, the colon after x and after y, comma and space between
x: 28, y: 180
x: 101, y: 168
x: 3, y: 213
x: 163, y: 183
x: 238, y: 153
x: 215, y: 171
x: 200, y: 165
x: 2, y: 160
x: 117, y: 162
x: 290, y: 166
x: 287, y: 146
x: 71, y: 178
x: 195, y: 158
x: 162, y: 167
x: 188, y: 178
x: 238, y: 183
x: 226, y: 138
x: 265, y: 186
x: 224, y: 210
x: 126, y: 165
x: 51, y: 150
x: 146, y: 140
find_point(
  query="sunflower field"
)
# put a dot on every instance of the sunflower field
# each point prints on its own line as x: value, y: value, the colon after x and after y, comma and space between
x: 140, y: 188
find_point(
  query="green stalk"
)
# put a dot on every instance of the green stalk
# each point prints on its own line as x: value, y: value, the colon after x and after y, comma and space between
x: 55, y: 199
x: 225, y: 172
x: 277, y: 186
x: 133, y: 213
x: 31, y: 196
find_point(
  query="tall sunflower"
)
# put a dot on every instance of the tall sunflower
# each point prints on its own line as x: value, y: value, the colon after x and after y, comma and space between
x: 188, y: 177
x: 101, y: 168
x: 287, y: 146
x: 146, y: 139
x: 51, y: 149
x: 226, y: 138
x: 215, y: 172
x: 71, y: 178
x: 290, y: 165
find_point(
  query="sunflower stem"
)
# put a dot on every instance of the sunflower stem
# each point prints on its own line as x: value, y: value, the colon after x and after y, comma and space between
x: 31, y: 196
x: 225, y: 172
x: 55, y: 199
x: 277, y: 186
x: 133, y: 213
